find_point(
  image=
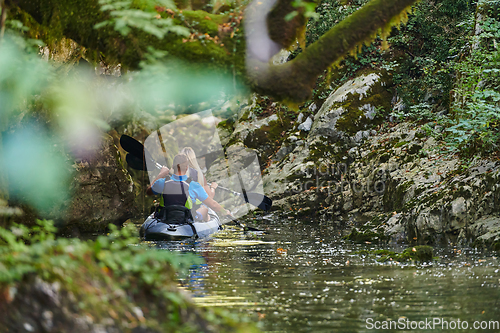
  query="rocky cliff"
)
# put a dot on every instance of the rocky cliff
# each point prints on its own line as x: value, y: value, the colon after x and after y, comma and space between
x: 345, y: 161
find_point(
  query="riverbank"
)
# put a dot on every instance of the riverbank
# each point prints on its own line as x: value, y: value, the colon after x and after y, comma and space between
x: 111, y: 284
x: 349, y: 161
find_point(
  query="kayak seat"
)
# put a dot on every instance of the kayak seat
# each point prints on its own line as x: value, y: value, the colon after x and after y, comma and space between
x: 174, y: 214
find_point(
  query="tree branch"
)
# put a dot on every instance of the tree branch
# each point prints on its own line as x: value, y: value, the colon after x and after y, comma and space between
x: 294, y: 80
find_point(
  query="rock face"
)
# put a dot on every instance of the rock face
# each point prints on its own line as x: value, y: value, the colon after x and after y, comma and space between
x: 103, y: 192
x: 351, y: 109
x: 352, y: 168
x: 397, y: 186
x: 346, y: 118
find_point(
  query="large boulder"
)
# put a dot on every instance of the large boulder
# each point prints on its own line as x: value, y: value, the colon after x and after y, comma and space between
x: 103, y: 191
x: 353, y: 110
x: 346, y: 118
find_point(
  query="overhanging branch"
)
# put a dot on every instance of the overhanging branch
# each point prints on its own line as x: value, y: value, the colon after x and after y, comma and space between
x: 294, y: 80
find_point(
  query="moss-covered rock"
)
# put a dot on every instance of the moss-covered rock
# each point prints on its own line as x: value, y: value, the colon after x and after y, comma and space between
x: 423, y: 253
x: 417, y: 253
x: 359, y: 236
x: 216, y: 40
x: 354, y: 109
x: 103, y: 192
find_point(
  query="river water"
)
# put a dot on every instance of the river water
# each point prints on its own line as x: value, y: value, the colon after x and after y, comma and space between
x: 302, y: 277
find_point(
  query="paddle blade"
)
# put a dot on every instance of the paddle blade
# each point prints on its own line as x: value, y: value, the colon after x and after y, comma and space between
x: 259, y: 200
x: 135, y: 163
x: 132, y: 146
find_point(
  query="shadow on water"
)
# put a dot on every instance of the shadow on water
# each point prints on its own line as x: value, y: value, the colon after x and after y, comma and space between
x: 304, y: 278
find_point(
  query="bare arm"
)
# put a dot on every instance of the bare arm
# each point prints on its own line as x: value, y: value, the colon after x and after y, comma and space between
x: 216, y: 207
x: 210, y: 189
x: 163, y: 173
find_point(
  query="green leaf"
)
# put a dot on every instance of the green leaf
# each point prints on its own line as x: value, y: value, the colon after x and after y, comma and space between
x: 291, y: 15
x: 101, y: 24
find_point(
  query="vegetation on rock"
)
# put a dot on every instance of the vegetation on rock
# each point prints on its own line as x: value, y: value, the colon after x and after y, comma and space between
x: 111, y: 282
x: 421, y: 253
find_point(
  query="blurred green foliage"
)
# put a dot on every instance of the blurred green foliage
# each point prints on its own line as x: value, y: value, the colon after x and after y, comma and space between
x: 126, y: 15
x: 37, y: 250
x: 112, y: 274
x: 52, y: 114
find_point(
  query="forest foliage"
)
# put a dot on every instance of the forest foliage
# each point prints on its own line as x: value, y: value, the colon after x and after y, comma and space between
x: 444, y: 67
x: 444, y: 64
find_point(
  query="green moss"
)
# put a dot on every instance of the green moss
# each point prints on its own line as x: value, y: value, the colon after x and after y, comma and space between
x: 54, y: 21
x: 376, y: 221
x: 268, y: 138
x: 420, y: 134
x: 365, y: 236
x: 462, y: 192
x: 353, y: 118
x: 204, y: 22
x: 420, y: 253
x: 233, y: 141
x: 414, y: 149
x: 384, y: 157
x: 227, y: 125
x: 334, y: 152
x: 427, y: 200
x: 400, y: 144
x: 246, y: 115
x: 381, y: 252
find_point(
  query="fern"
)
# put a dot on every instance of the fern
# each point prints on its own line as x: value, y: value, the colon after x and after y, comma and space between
x: 141, y: 15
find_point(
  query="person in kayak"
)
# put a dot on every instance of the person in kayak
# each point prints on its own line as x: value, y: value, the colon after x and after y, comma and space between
x: 178, y: 195
x: 194, y: 172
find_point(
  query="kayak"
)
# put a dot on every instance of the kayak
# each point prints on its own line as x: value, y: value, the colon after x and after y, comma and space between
x: 154, y: 229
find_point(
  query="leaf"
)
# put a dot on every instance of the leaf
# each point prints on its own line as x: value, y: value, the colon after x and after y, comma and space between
x: 291, y: 15
x: 122, y: 27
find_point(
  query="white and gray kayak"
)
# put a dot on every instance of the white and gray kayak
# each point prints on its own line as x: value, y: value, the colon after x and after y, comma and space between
x: 154, y: 229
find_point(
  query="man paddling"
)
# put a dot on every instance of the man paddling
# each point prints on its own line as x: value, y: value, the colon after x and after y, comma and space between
x: 178, y: 195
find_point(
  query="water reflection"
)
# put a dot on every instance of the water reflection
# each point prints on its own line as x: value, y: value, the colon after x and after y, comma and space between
x: 301, y: 278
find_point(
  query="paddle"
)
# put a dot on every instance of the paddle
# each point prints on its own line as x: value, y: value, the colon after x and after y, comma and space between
x: 256, y: 199
x: 138, y: 164
x: 242, y: 226
x: 137, y: 155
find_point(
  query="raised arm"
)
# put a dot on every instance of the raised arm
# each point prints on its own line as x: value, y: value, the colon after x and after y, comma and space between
x: 164, y: 172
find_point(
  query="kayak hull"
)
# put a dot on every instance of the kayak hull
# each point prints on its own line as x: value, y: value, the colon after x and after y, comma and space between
x: 154, y: 229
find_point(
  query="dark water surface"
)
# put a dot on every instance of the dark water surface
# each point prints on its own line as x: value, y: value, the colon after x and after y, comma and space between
x: 302, y: 277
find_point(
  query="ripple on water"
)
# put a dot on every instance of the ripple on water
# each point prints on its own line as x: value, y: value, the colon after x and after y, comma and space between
x: 302, y: 278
